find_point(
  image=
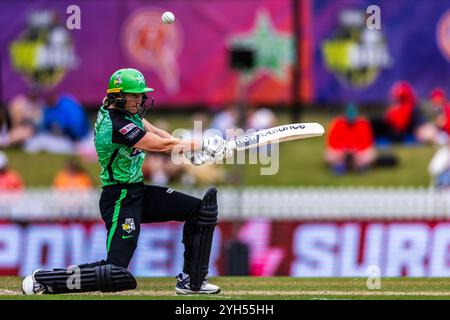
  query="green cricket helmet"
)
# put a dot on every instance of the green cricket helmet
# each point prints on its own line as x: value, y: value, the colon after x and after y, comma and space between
x: 127, y: 80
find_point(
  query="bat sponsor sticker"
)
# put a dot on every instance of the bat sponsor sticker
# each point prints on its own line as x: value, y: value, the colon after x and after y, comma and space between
x: 248, y: 140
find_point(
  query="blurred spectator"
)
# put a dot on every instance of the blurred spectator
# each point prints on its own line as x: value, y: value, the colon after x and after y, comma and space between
x: 72, y: 177
x: 403, y: 121
x: 26, y: 109
x: 206, y: 174
x: 260, y: 119
x: 11, y: 135
x: 201, y: 120
x: 64, y: 123
x: 440, y: 113
x: 159, y: 169
x: 225, y: 119
x: 350, y: 142
x: 65, y: 116
x: 86, y: 148
x: 9, y: 179
x: 438, y: 100
x: 5, y: 126
x: 439, y: 168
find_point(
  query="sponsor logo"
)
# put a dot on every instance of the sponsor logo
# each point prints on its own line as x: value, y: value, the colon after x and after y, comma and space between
x: 133, y: 134
x: 272, y: 44
x: 124, y: 130
x: 153, y: 46
x: 128, y: 226
x: 443, y: 34
x: 126, y: 237
x: 281, y: 129
x: 333, y: 249
x: 25, y: 248
x: 247, y: 140
x: 354, y: 53
x: 253, y: 139
x: 118, y: 79
x: 44, y: 50
x: 170, y: 190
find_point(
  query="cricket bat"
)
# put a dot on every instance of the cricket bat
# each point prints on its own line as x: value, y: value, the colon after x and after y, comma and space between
x: 287, y: 132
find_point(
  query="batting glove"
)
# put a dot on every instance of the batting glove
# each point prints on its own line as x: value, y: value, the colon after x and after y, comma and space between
x: 198, y: 158
x: 215, y: 146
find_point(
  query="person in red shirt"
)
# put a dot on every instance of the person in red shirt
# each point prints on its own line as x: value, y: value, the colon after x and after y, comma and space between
x: 9, y: 179
x: 403, y: 121
x: 441, y: 110
x: 350, y: 142
x: 399, y: 116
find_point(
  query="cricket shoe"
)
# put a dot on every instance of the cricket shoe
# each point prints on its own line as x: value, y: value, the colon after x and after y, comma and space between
x: 31, y: 287
x: 183, y: 286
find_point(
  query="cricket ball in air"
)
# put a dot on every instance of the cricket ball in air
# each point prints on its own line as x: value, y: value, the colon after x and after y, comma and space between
x: 168, y: 17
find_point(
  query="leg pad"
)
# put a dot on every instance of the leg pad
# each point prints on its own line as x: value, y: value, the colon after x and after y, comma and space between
x: 86, y: 278
x: 197, y: 237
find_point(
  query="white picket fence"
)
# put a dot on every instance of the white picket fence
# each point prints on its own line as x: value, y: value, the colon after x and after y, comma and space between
x: 252, y: 202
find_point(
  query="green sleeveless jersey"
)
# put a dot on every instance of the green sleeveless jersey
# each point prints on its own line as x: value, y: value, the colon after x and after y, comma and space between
x: 116, y: 132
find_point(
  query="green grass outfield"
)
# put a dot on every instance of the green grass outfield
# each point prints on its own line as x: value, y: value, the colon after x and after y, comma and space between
x: 278, y: 288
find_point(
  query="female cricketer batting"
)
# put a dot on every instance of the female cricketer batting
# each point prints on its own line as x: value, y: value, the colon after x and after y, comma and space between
x: 121, y: 137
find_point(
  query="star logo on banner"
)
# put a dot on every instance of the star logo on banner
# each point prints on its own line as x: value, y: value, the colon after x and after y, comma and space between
x: 274, y: 48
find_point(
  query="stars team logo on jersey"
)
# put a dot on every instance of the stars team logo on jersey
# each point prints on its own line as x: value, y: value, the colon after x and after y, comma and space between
x: 124, y: 130
x: 128, y: 226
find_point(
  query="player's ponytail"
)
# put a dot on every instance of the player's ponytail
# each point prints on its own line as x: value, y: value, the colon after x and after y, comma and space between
x: 116, y: 99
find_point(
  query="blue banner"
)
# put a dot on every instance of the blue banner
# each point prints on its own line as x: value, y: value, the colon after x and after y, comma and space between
x: 355, y: 61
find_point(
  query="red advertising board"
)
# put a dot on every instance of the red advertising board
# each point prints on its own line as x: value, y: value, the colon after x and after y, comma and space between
x: 329, y: 249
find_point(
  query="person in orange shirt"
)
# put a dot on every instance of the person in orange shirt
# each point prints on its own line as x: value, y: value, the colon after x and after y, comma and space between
x: 72, y: 177
x: 9, y: 179
x: 350, y: 142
